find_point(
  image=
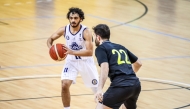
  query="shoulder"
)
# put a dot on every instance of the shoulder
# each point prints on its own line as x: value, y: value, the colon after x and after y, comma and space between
x: 62, y: 28
x: 121, y: 46
x: 87, y: 34
x: 86, y: 31
x: 100, y: 49
x: 60, y: 31
x: 100, y: 52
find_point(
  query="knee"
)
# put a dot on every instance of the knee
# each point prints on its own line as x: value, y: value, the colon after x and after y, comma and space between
x: 65, y: 86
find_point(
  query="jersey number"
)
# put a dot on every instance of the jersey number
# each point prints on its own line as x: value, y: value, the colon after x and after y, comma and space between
x: 119, y: 61
x: 77, y: 57
x: 66, y: 69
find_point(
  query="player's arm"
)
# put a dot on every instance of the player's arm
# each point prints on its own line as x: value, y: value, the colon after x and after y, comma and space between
x: 102, y: 59
x: 104, y: 69
x: 55, y: 36
x: 88, y: 43
x: 137, y: 65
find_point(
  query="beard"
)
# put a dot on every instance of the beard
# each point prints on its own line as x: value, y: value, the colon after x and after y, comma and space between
x: 74, y: 25
x: 97, y: 43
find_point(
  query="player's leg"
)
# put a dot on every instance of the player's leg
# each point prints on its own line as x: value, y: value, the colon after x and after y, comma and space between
x: 113, y: 98
x: 68, y: 77
x: 130, y: 103
x: 65, y: 92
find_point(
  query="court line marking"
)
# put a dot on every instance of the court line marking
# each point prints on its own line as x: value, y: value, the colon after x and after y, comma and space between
x: 28, y: 77
x: 56, y: 76
x: 113, y: 21
x: 183, y: 106
x: 141, y: 28
x: 20, y: 99
x: 126, y: 24
x: 3, y: 23
x: 61, y: 64
x: 179, y: 84
x: 145, y: 12
x: 163, y: 58
x: 165, y: 81
x: 39, y: 98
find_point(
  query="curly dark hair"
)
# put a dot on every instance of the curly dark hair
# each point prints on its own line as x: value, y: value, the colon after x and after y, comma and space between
x: 102, y: 30
x: 76, y: 10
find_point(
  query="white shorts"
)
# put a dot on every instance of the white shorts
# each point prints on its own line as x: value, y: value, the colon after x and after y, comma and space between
x: 87, y: 69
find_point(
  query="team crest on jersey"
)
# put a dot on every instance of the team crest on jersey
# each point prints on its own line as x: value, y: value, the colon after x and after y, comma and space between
x: 67, y: 37
x: 75, y: 46
x: 94, y: 82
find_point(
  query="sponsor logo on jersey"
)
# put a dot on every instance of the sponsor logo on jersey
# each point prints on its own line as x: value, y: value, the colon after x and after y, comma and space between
x: 94, y: 82
x: 75, y: 46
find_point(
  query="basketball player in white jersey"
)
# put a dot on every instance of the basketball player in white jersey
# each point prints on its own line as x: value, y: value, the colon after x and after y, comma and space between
x: 79, y: 54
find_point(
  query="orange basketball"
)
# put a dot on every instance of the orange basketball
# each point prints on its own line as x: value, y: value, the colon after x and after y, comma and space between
x: 57, y: 52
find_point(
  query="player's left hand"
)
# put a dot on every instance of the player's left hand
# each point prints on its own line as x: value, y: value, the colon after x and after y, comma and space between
x: 99, y: 96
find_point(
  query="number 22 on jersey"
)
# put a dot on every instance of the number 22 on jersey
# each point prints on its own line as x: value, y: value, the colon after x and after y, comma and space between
x: 120, y: 53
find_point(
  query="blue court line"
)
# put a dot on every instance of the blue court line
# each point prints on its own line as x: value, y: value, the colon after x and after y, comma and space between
x: 138, y: 27
x: 157, y: 32
x: 113, y: 21
x: 46, y: 65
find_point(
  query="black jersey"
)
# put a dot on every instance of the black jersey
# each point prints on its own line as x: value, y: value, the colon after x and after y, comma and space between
x: 119, y: 59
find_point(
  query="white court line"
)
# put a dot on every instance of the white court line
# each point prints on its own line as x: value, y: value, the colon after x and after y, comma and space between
x: 55, y: 76
x: 166, y: 81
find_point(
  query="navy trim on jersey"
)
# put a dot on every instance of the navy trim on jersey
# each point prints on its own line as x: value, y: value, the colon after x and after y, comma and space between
x: 75, y: 33
x: 65, y: 30
x: 83, y: 34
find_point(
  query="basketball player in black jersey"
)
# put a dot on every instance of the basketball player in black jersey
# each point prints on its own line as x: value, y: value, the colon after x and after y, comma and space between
x: 120, y: 65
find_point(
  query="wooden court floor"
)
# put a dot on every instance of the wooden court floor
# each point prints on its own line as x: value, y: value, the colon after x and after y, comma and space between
x: 157, y: 31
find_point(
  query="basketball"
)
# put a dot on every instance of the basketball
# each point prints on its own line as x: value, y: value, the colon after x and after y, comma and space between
x: 57, y: 52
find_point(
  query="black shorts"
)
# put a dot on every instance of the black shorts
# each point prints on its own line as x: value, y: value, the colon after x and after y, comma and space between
x: 115, y: 96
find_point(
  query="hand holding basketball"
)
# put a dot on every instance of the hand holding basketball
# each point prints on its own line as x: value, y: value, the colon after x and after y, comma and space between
x: 68, y: 51
x: 57, y: 52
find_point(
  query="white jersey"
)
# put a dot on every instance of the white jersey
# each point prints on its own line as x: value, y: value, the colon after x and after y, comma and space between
x: 75, y: 42
x: 79, y: 64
